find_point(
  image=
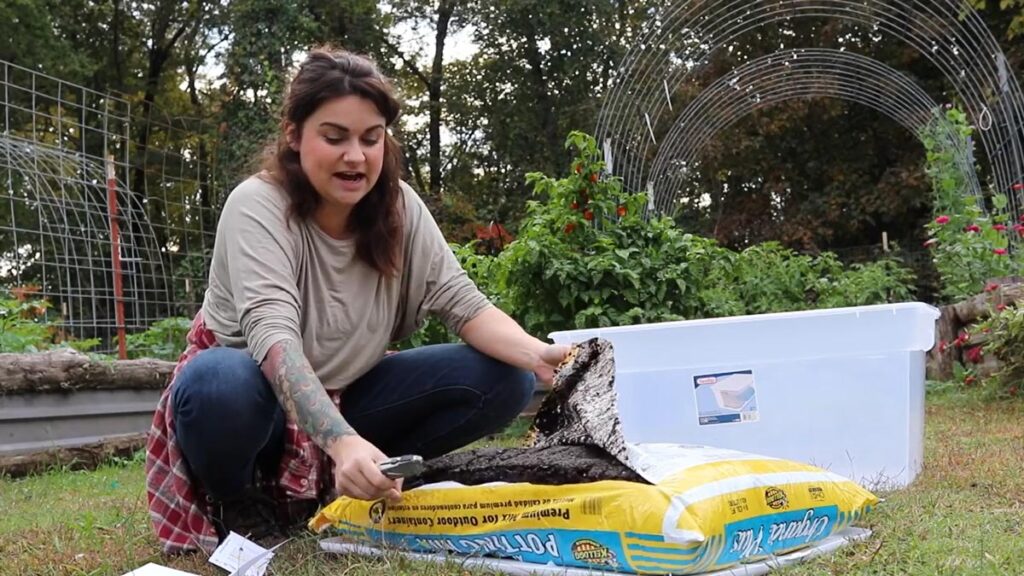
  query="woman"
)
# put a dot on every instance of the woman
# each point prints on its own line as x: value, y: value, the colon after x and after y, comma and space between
x: 285, y: 397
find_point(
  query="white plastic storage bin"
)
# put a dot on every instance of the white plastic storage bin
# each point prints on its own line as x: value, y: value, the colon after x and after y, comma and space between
x: 839, y: 388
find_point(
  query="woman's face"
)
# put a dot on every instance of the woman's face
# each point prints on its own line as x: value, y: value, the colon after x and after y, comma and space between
x: 342, y: 150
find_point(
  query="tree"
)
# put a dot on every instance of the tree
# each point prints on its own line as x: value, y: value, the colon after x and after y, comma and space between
x: 540, y: 72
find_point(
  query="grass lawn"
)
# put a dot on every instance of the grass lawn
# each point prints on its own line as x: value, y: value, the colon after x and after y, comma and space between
x: 964, y: 514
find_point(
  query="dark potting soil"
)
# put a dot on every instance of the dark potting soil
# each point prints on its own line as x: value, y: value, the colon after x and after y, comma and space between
x: 576, y: 434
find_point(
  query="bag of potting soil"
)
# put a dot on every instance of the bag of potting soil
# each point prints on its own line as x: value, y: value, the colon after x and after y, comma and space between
x: 709, y: 509
x: 688, y: 509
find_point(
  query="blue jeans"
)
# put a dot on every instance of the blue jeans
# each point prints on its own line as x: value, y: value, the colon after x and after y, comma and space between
x: 426, y: 401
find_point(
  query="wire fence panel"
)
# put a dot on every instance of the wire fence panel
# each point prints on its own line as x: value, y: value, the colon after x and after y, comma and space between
x: 107, y: 208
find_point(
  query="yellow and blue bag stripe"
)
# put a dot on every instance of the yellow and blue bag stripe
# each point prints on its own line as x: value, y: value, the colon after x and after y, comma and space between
x: 701, y: 518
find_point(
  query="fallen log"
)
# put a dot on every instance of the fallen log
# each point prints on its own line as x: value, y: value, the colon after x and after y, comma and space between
x: 959, y: 317
x: 66, y: 369
x: 978, y: 307
x: 83, y: 457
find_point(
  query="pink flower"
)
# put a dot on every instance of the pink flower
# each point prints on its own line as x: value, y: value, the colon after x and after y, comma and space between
x: 991, y: 287
x: 1000, y: 251
x: 930, y: 242
x: 1018, y: 187
x: 974, y: 355
x: 1019, y: 229
x: 973, y: 228
x: 1000, y: 307
x: 999, y: 227
x: 942, y: 220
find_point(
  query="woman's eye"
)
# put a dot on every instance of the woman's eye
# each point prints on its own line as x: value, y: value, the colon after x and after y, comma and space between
x: 370, y: 141
x: 333, y: 139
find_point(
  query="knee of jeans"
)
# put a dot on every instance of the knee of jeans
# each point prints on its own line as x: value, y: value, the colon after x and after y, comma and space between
x: 518, y: 388
x: 217, y: 373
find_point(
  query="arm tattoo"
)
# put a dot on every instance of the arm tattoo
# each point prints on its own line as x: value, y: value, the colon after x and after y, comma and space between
x: 302, y: 395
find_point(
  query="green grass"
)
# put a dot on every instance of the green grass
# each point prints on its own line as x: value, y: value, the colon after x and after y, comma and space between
x: 964, y: 515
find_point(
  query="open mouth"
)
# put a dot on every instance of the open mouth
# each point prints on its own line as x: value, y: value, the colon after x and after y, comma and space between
x: 350, y: 176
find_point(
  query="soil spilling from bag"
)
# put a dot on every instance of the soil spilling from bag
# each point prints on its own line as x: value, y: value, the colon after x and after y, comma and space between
x: 576, y: 435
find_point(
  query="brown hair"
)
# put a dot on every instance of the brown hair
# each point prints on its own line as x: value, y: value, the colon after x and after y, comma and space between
x: 327, y: 74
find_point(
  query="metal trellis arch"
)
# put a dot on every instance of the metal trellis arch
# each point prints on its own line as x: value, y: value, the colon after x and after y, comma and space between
x: 685, y: 35
x: 782, y: 76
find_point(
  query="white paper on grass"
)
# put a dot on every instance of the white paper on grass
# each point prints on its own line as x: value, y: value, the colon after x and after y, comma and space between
x: 156, y: 570
x: 515, y: 568
x: 242, y: 557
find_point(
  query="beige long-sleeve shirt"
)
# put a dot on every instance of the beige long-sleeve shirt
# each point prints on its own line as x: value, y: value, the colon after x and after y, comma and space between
x: 272, y: 279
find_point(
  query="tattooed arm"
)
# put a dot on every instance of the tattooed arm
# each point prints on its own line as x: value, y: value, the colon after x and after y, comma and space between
x: 306, y: 402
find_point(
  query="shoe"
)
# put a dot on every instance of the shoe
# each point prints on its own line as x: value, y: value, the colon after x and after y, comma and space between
x: 294, y: 516
x: 251, y: 513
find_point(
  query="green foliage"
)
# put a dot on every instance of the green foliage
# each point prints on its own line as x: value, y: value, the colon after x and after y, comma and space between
x: 1014, y: 9
x: 969, y: 246
x: 1005, y: 331
x: 771, y: 278
x: 23, y: 326
x: 164, y: 340
x: 862, y: 284
x: 587, y: 256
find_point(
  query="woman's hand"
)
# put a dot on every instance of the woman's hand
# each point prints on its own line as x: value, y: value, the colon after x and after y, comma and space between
x: 549, y: 359
x: 356, y: 473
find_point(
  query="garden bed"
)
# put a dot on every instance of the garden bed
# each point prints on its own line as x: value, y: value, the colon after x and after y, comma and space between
x: 63, y: 408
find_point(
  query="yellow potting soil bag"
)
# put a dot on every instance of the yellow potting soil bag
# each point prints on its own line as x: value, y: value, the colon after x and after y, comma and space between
x: 706, y: 509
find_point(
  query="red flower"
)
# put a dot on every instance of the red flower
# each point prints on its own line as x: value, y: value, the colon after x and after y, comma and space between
x: 1000, y: 307
x: 588, y: 215
x: 942, y: 220
x: 943, y: 345
x: 991, y: 287
x: 621, y: 211
x: 1000, y: 251
x: 578, y: 168
x: 1012, y: 390
x: 593, y: 178
x: 973, y: 228
x: 569, y: 228
x: 575, y: 205
x: 1018, y: 187
x: 1019, y: 229
x: 999, y: 227
x: 969, y: 380
x: 1021, y: 218
x: 974, y: 355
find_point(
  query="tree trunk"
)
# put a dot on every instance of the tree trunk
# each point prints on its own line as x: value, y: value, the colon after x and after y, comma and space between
x: 63, y: 370
x: 115, y: 30
x: 940, y: 357
x: 545, y: 109
x: 434, y: 90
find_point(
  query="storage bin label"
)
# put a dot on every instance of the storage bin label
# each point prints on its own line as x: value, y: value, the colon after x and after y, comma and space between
x: 725, y: 397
